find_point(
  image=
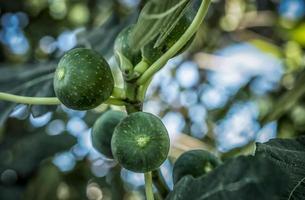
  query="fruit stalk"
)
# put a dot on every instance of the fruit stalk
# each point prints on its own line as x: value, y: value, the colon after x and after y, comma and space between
x: 156, y: 176
x: 132, y: 94
x: 160, y: 183
x: 148, y: 186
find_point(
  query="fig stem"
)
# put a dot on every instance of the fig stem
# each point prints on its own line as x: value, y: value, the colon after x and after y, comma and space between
x: 115, y: 101
x: 192, y: 29
x: 47, y: 100
x: 118, y: 93
x: 160, y: 183
x: 136, y: 95
x: 148, y: 186
x: 131, y: 94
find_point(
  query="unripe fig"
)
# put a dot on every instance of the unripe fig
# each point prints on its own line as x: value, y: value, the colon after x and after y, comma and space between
x: 195, y: 163
x: 83, y: 79
x: 140, y: 142
x: 103, y: 129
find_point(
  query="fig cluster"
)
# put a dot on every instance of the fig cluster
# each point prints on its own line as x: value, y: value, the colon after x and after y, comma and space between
x: 139, y: 141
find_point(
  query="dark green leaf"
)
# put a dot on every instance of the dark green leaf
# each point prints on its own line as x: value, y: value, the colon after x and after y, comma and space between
x: 289, y: 156
x: 25, y: 155
x: 241, y: 178
x: 298, y: 192
x: 277, y: 171
x: 30, y: 80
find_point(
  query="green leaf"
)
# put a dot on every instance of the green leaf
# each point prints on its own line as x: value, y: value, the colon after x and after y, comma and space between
x: 276, y: 172
x: 241, y: 178
x: 156, y: 19
x: 28, y: 83
x: 190, y: 7
x: 25, y: 155
x: 289, y: 156
x: 29, y: 80
x: 298, y: 192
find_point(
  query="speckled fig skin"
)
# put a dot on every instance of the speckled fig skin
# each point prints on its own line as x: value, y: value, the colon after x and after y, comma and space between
x: 195, y: 163
x: 83, y: 79
x: 140, y: 142
x: 103, y: 129
x: 122, y: 45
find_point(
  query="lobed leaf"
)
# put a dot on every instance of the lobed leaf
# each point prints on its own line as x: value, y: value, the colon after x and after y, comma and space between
x: 240, y: 178
x: 276, y: 172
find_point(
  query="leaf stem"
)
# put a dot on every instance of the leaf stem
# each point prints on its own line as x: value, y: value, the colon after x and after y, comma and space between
x: 148, y: 186
x: 143, y: 89
x: 140, y: 68
x: 156, y: 66
x: 29, y: 100
x: 47, y: 100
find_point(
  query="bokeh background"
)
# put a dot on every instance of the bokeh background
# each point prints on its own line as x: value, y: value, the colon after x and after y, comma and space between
x: 241, y: 82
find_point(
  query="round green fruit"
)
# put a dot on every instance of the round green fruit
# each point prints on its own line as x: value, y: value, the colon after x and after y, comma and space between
x: 123, y: 49
x: 140, y: 142
x: 195, y: 163
x: 103, y: 129
x: 83, y: 79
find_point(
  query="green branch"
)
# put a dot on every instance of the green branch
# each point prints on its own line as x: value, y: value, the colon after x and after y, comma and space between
x: 48, y: 100
x: 156, y: 66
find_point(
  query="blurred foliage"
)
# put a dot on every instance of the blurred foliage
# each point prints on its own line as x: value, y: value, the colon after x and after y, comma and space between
x: 34, y: 34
